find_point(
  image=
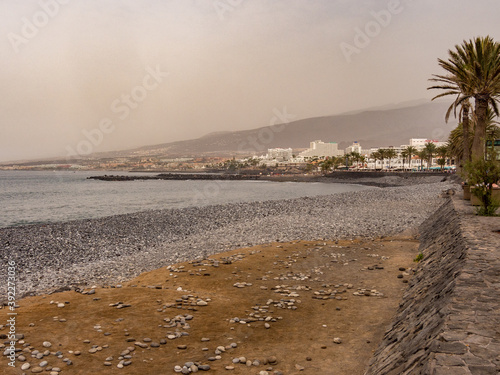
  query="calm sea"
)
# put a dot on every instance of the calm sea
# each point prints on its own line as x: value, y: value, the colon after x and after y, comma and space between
x: 29, y: 197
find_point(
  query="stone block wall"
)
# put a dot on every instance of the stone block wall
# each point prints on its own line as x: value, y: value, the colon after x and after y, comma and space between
x: 448, y: 322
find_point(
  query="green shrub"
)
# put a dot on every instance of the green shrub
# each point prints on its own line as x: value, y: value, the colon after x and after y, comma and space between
x: 419, y: 257
x: 481, y: 174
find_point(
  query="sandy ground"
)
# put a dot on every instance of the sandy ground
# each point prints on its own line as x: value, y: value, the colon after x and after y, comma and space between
x: 294, y: 299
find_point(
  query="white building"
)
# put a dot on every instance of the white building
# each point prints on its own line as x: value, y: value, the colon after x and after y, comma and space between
x: 398, y: 162
x: 279, y: 154
x: 321, y: 150
x: 355, y: 147
x: 419, y: 143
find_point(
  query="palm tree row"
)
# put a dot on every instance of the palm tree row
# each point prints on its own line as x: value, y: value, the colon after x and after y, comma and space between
x: 354, y: 158
x: 472, y: 72
x: 331, y: 163
x: 382, y: 154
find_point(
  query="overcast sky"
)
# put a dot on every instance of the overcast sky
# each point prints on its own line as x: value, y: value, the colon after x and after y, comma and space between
x: 96, y: 75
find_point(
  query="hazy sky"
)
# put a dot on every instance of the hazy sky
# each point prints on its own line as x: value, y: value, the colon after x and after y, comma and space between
x: 97, y: 75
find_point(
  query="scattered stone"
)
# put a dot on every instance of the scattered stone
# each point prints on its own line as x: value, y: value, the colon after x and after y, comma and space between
x: 272, y: 360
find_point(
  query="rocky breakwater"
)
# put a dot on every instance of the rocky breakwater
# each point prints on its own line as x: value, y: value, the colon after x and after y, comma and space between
x: 448, y: 321
x: 177, y: 177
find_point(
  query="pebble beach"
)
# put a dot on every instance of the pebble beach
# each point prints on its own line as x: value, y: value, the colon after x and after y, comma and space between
x: 114, y: 249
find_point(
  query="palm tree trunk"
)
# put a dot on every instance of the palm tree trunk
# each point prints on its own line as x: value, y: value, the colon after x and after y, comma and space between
x: 479, y: 142
x: 466, y: 135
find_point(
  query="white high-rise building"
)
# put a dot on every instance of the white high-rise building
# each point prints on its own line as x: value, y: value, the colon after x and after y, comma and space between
x: 322, y: 149
x: 355, y: 147
x: 279, y: 154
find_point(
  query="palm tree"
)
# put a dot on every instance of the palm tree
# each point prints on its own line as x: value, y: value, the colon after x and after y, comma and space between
x: 411, y: 150
x: 466, y: 129
x: 404, y: 155
x: 456, y: 145
x: 473, y: 72
x: 441, y: 162
x: 422, y: 155
x: 383, y: 155
x: 380, y: 154
x: 430, y: 148
x: 390, y: 154
x: 442, y: 152
x: 326, y: 165
x: 376, y: 156
x: 362, y: 160
x: 338, y: 161
x: 356, y: 156
x: 347, y: 159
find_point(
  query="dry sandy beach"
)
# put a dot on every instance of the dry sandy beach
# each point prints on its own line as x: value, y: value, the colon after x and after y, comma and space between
x: 284, y: 305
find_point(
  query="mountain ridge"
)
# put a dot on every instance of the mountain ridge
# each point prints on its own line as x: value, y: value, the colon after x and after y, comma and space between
x: 371, y: 128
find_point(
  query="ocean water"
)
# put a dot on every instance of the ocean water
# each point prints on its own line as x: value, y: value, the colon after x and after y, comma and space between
x: 29, y: 197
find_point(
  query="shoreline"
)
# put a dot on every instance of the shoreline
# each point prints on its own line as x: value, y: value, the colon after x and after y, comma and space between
x: 114, y: 249
x: 373, y: 178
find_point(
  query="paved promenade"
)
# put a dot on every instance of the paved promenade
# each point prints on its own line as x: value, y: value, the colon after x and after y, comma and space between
x: 471, y: 332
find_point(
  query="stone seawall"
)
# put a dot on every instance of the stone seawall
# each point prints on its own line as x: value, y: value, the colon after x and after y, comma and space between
x: 449, y: 320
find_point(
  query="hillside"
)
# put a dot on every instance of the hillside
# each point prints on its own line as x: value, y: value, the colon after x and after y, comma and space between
x: 372, y: 128
x: 377, y: 127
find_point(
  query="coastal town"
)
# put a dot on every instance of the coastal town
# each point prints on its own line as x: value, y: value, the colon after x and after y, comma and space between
x: 418, y: 154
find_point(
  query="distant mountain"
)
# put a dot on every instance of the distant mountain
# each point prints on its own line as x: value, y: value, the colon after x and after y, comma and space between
x: 390, y: 125
x: 405, y: 104
x: 371, y: 128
